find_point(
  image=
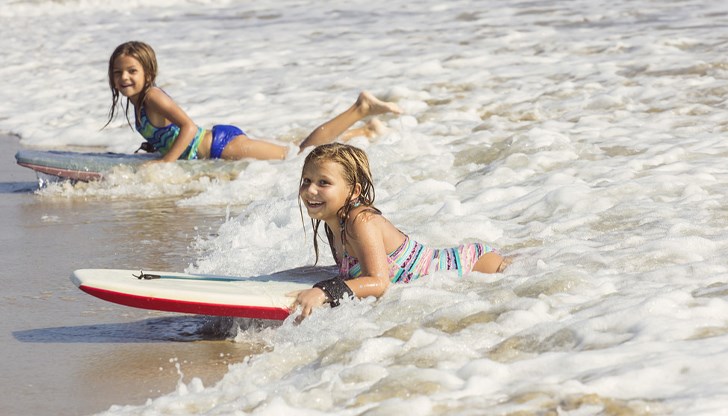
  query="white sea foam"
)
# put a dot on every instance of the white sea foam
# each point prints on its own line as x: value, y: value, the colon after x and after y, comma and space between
x: 587, y: 141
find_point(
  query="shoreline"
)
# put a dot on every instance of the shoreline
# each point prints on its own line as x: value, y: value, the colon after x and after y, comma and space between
x: 61, y: 343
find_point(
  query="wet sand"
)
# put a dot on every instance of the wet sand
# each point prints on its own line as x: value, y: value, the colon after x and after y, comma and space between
x: 67, y: 353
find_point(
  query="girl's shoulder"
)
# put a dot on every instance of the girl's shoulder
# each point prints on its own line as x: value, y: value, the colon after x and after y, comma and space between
x: 364, y: 217
x: 157, y: 103
x: 363, y: 212
x: 155, y: 94
x: 367, y: 225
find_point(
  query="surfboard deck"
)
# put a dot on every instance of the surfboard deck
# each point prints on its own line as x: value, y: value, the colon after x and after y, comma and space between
x: 77, y: 166
x: 260, y: 297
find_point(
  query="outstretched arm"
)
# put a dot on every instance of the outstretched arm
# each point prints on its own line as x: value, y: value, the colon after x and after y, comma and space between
x: 361, y: 287
x: 367, y: 245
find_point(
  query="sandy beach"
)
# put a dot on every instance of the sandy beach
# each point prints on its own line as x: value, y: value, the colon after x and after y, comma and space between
x: 82, y: 353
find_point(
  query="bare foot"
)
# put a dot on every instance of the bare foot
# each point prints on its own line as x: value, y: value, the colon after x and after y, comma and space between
x: 370, y: 105
x: 374, y: 128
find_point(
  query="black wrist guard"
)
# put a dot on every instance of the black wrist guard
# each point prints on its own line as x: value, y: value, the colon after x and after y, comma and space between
x: 336, y: 289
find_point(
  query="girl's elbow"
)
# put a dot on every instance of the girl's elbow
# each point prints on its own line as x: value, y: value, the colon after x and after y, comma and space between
x: 372, y: 285
x: 383, y: 286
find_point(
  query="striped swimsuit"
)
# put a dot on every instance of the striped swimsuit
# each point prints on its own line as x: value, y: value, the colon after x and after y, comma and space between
x: 412, y: 260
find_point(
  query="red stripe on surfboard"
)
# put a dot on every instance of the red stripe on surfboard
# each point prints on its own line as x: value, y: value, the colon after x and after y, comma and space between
x: 79, y: 175
x: 168, y: 305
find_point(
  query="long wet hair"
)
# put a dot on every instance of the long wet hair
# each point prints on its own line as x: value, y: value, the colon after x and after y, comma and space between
x: 355, y: 164
x: 148, y: 60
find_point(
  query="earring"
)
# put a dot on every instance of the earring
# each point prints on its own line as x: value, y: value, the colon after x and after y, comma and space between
x: 356, y: 203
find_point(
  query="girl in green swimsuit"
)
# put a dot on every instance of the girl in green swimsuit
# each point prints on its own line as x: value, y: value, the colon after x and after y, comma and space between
x: 169, y: 130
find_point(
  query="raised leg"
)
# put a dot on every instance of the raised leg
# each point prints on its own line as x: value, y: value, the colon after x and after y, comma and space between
x: 372, y: 129
x: 365, y: 105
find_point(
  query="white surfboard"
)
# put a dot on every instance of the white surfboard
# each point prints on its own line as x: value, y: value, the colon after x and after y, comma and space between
x: 260, y: 297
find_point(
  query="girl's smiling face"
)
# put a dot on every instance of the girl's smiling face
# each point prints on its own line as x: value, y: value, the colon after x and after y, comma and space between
x: 324, y: 190
x: 129, y: 77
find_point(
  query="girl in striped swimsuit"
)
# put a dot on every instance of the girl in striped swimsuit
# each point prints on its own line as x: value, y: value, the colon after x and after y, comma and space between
x: 336, y: 188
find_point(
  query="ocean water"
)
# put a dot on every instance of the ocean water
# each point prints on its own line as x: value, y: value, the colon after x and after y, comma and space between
x: 585, y: 140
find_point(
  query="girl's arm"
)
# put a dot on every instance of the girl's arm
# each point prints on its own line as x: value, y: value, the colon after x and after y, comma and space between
x: 160, y: 107
x: 366, y: 235
x: 367, y: 242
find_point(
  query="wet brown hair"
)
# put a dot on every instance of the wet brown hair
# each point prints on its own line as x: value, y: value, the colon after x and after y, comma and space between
x: 148, y: 60
x: 355, y: 164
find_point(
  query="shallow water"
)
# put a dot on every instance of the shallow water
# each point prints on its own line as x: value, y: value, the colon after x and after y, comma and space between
x: 67, y: 353
x: 586, y: 141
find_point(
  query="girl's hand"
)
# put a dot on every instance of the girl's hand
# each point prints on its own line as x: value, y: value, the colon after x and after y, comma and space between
x: 308, y: 299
